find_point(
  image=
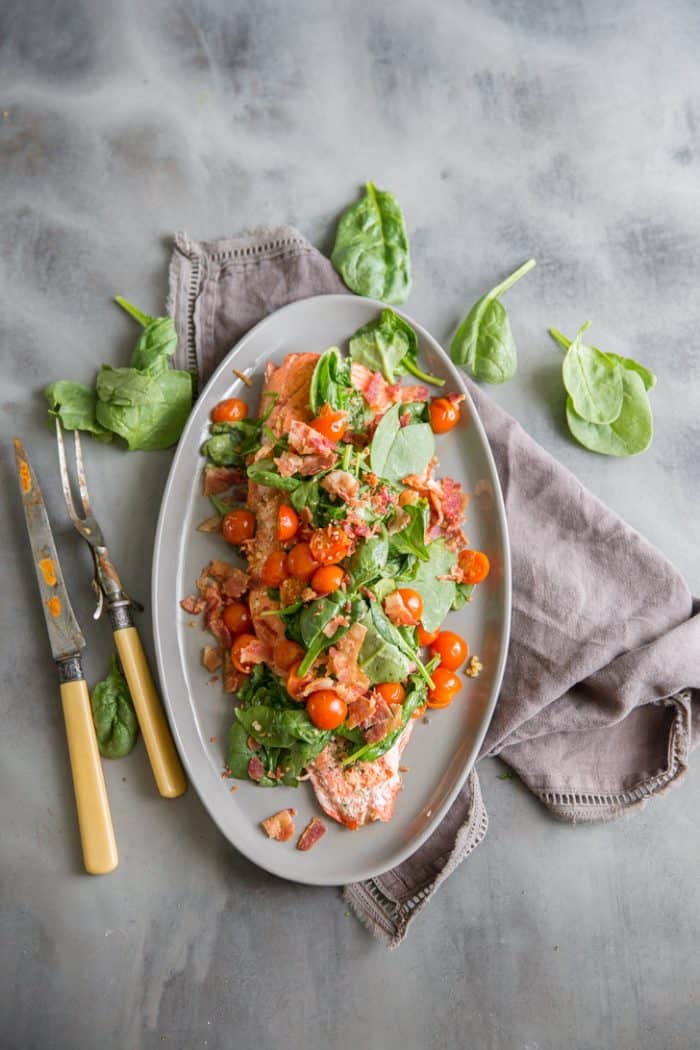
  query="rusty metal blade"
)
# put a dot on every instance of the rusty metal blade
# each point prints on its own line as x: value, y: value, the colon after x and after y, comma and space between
x: 65, y: 635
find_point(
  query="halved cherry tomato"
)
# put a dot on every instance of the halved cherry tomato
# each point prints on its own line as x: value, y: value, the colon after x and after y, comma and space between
x: 475, y: 566
x: 443, y: 414
x: 451, y: 650
x: 329, y: 423
x: 413, y: 602
x: 274, y: 571
x: 295, y: 684
x: 393, y: 692
x: 238, y: 525
x: 426, y: 637
x: 287, y: 653
x: 447, y: 685
x: 329, y: 545
x: 240, y: 643
x: 232, y: 410
x: 301, y: 562
x: 327, y: 579
x: 326, y: 709
x: 287, y: 522
x: 237, y: 618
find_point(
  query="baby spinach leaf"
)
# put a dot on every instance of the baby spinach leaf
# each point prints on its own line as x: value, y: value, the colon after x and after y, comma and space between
x: 240, y: 754
x: 397, y: 451
x: 276, y: 727
x: 264, y: 472
x: 330, y: 381
x: 230, y: 443
x: 393, y: 636
x: 369, y: 560
x: 148, y: 411
x: 381, y: 660
x: 75, y: 404
x: 438, y: 595
x: 389, y: 345
x: 306, y: 494
x: 113, y: 713
x: 627, y: 435
x: 371, y: 248
x: 312, y: 620
x: 463, y: 594
x: 593, y: 381
x: 484, y: 341
x: 263, y: 687
x: 647, y: 376
x: 411, y: 538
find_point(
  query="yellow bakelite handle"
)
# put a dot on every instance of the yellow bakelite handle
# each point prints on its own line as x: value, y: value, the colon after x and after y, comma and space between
x: 94, y: 818
x: 163, y: 757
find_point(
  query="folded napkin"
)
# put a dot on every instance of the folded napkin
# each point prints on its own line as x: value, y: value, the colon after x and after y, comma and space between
x: 601, y: 694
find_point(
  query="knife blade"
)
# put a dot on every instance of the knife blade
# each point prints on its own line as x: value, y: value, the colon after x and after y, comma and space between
x: 65, y: 636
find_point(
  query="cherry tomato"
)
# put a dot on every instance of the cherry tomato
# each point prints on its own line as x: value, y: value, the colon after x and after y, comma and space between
x: 295, y: 684
x: 238, y: 525
x: 232, y: 410
x: 326, y: 709
x: 451, y: 649
x: 447, y: 685
x: 413, y: 602
x: 287, y: 653
x: 329, y: 423
x: 274, y: 571
x: 475, y: 566
x: 329, y: 545
x: 237, y: 618
x: 327, y: 579
x: 287, y: 523
x: 301, y: 562
x: 426, y: 637
x: 408, y: 496
x: 393, y: 692
x: 240, y: 643
x: 443, y: 414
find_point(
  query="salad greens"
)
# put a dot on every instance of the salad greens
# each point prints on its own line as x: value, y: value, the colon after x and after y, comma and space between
x: 438, y: 595
x: 398, y: 451
x: 75, y: 405
x: 113, y: 713
x: 593, y: 381
x: 371, y: 251
x: 389, y: 345
x: 484, y: 342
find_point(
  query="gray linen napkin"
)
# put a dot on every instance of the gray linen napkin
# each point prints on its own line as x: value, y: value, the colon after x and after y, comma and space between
x: 601, y: 695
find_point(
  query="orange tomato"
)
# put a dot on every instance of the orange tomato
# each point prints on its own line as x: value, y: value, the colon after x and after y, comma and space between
x: 287, y: 522
x: 443, y: 414
x: 238, y: 525
x: 237, y: 618
x: 426, y: 637
x: 232, y: 410
x: 475, y: 566
x: 446, y: 686
x: 413, y: 602
x: 327, y: 579
x: 240, y: 643
x: 451, y: 650
x: 295, y: 684
x: 274, y: 571
x: 393, y: 692
x: 329, y: 423
x: 326, y: 709
x: 287, y: 653
x: 301, y: 562
x: 329, y: 545
x: 408, y: 496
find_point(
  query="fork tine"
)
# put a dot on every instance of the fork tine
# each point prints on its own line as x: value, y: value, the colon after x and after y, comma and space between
x: 65, y: 480
x: 82, y: 481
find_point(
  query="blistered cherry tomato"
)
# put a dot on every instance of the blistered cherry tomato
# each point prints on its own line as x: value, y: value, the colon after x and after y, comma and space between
x: 237, y: 618
x: 301, y: 562
x: 443, y: 414
x: 274, y: 571
x: 287, y: 522
x: 451, y: 650
x: 426, y: 637
x: 240, y: 643
x: 329, y: 423
x: 238, y: 525
x: 295, y: 684
x: 413, y: 602
x: 326, y: 709
x: 446, y: 687
x: 329, y: 545
x: 393, y: 692
x: 327, y: 579
x: 475, y: 566
x: 232, y: 410
x: 286, y: 653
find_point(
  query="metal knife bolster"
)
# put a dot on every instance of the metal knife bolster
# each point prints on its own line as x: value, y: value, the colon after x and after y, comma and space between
x: 70, y: 669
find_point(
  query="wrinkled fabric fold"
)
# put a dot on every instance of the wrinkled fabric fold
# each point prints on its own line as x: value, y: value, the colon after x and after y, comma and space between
x: 600, y: 702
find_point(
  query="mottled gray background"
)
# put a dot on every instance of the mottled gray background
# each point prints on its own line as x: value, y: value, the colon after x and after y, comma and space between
x: 567, y: 130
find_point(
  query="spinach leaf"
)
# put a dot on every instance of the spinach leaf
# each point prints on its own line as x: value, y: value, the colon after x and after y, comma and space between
x: 371, y: 251
x: 75, y: 404
x: 148, y: 411
x: 389, y: 345
x: 394, y: 637
x: 240, y: 754
x: 627, y: 435
x: 307, y: 494
x: 463, y: 593
x: 312, y: 620
x: 113, y: 713
x: 330, y: 381
x: 230, y: 443
x: 647, y: 376
x: 484, y: 342
x: 380, y: 659
x: 264, y: 472
x: 411, y: 538
x: 593, y: 381
x: 277, y: 727
x: 263, y: 687
x: 438, y: 595
x: 158, y: 340
x: 397, y: 451
x: 369, y: 560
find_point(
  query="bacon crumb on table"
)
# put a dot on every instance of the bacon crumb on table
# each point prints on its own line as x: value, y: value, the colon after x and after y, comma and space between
x: 280, y: 826
x: 311, y: 834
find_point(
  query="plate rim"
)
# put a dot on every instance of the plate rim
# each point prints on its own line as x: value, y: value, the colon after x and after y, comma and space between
x: 417, y: 841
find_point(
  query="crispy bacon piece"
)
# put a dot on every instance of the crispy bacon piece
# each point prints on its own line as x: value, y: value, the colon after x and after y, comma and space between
x: 192, y: 605
x: 342, y: 661
x: 280, y: 826
x: 289, y: 463
x: 397, y: 610
x: 212, y: 524
x: 311, y: 834
x: 255, y: 769
x: 307, y: 441
x: 381, y: 395
x: 341, y: 483
x: 314, y: 685
x: 361, y: 710
x: 255, y: 652
x: 447, y: 504
x: 212, y: 658
x: 386, y: 718
x: 334, y: 623
x: 219, y: 479
x: 233, y: 679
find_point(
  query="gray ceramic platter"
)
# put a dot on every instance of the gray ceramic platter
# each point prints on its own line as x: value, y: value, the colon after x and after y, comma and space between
x: 441, y: 753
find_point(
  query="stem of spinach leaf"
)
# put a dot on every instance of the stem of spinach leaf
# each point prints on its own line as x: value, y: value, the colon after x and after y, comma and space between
x: 143, y: 319
x: 498, y: 291
x: 415, y: 371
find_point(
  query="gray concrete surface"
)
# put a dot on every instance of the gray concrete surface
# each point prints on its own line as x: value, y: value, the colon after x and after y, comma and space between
x: 563, y: 130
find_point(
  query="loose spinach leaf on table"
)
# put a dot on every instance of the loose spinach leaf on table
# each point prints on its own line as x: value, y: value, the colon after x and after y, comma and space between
x: 371, y: 251
x: 438, y: 595
x: 113, y: 713
x: 157, y: 342
x: 389, y: 345
x: 593, y: 381
x: 647, y: 376
x: 629, y: 434
x: 148, y: 415
x: 484, y: 342
x: 397, y: 451
x: 75, y: 405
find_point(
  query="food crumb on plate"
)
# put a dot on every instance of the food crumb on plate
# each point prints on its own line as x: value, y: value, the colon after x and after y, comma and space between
x: 243, y: 377
x: 213, y: 739
x: 213, y: 679
x: 280, y: 826
x: 312, y: 833
x: 474, y: 667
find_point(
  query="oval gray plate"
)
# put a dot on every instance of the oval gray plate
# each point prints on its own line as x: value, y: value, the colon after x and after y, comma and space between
x: 440, y: 754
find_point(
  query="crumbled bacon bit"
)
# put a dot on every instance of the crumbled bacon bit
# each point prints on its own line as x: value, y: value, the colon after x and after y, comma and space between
x: 342, y: 484
x: 397, y: 610
x: 219, y: 479
x: 311, y: 834
x: 334, y: 623
x: 305, y: 440
x: 210, y: 524
x: 361, y: 710
x: 255, y: 769
x: 280, y: 826
x: 253, y: 744
x: 386, y: 718
x: 192, y: 605
x: 212, y: 658
x: 213, y: 739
